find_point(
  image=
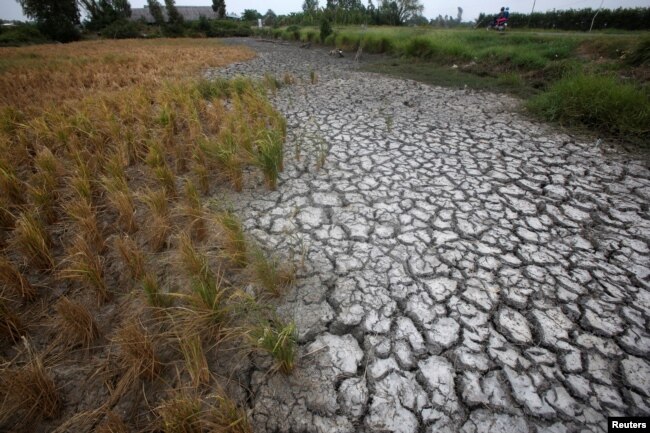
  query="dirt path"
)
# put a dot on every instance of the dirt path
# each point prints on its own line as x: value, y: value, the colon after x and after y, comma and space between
x: 465, y: 269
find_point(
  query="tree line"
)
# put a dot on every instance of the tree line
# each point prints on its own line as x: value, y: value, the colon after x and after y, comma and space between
x: 60, y: 20
x: 580, y: 19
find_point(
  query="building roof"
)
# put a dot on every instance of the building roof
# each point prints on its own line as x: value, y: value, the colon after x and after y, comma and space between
x: 189, y: 13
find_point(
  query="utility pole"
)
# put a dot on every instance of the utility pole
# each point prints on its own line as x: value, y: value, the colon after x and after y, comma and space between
x: 594, y: 18
x: 531, y: 13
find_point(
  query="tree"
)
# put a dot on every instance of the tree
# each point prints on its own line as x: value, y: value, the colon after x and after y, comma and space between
x: 310, y: 8
x: 460, y: 15
x: 102, y: 13
x: 399, y: 11
x: 57, y: 19
x: 173, y: 16
x: 174, y: 26
x: 156, y: 12
x: 219, y: 7
x: 250, y: 15
x: 270, y: 18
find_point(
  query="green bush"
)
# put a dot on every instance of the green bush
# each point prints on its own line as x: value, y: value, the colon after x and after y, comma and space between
x: 640, y: 55
x: 226, y: 29
x: 325, y: 29
x: 420, y: 47
x: 598, y: 102
x: 291, y: 33
x: 122, y: 29
x: 20, y: 34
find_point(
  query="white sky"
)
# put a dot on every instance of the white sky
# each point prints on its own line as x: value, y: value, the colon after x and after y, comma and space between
x: 10, y: 9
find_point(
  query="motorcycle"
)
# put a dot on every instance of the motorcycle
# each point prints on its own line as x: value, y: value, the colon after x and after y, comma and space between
x: 499, y: 24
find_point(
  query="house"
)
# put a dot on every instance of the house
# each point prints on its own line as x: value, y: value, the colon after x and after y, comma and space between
x: 189, y: 13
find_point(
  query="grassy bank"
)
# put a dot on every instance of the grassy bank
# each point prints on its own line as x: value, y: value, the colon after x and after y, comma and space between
x: 546, y: 67
x: 122, y: 305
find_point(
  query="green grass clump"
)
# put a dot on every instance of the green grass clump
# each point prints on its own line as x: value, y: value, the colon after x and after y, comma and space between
x: 278, y: 339
x: 640, y: 55
x: 599, y: 102
x: 269, y: 157
x: 272, y: 275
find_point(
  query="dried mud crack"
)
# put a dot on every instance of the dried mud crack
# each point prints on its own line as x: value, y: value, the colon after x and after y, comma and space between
x: 465, y: 269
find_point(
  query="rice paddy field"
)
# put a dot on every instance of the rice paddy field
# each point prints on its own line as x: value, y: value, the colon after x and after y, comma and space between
x: 122, y: 302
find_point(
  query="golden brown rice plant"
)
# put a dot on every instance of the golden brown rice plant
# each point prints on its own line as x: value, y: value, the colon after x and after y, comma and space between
x: 44, y: 200
x: 272, y: 275
x: 81, y: 211
x: 81, y: 184
x: 132, y: 256
x: 166, y: 178
x: 195, y: 263
x: 112, y: 424
x: 28, y: 392
x: 75, y: 324
x: 44, y: 184
x: 85, y: 265
x: 7, y: 217
x: 124, y: 204
x: 194, y: 211
x: 181, y: 413
x: 118, y: 193
x: 195, y: 361
x: 225, y: 154
x: 233, y: 240
x: 278, y: 339
x: 33, y: 241
x: 159, y: 225
x: 154, y: 293
x: 227, y: 416
x: 11, y: 277
x: 11, y: 186
x: 201, y: 171
x: 11, y: 327
x: 138, y: 351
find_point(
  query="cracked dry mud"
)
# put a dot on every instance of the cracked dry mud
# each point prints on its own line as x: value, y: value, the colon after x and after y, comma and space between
x: 465, y: 269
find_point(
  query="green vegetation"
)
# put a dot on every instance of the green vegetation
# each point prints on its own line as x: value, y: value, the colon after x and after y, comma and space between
x: 601, y: 103
x: 599, y: 81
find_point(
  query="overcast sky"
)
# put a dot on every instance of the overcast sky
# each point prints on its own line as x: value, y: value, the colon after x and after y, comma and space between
x: 10, y: 9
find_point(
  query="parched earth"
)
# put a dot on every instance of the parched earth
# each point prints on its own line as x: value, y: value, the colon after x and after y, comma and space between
x: 465, y: 269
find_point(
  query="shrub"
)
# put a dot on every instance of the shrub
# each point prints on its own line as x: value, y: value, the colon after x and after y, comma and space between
x: 640, y: 55
x: 122, y: 29
x: 325, y: 29
x: 292, y: 33
x: 21, y: 34
x: 226, y: 29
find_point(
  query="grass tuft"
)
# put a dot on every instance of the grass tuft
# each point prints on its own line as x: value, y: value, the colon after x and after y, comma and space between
x: 181, y: 414
x: 278, y: 339
x: 159, y: 225
x: 86, y: 265
x: 76, y: 325
x: 271, y: 274
x: 154, y: 293
x: 131, y: 255
x: 137, y: 351
x: 11, y: 277
x: 28, y: 392
x: 31, y: 238
x: 11, y: 327
x: 269, y: 157
x: 234, y: 242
